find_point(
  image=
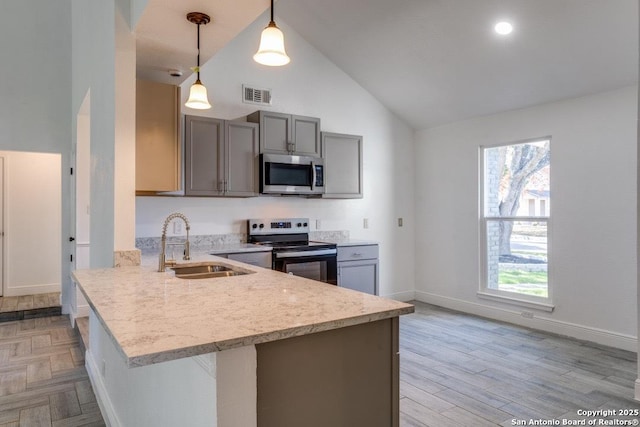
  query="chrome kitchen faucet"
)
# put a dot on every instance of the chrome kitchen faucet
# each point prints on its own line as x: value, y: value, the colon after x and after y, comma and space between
x: 163, y: 262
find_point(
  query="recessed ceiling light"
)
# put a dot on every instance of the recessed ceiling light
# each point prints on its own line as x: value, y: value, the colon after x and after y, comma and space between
x: 503, y: 28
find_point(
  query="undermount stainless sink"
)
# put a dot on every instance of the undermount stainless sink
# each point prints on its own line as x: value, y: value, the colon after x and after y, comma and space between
x: 207, y: 270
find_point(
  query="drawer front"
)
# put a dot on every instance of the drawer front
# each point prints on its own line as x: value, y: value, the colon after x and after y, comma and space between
x: 261, y: 259
x: 354, y: 253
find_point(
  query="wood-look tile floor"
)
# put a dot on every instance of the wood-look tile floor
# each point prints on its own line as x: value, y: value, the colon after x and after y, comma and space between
x: 455, y: 370
x: 29, y: 302
x: 43, y: 381
x: 30, y: 306
x: 461, y: 370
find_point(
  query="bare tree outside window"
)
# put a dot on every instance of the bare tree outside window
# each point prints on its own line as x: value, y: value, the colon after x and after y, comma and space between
x: 516, y: 209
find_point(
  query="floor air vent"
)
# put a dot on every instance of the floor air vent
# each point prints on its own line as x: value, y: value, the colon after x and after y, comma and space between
x: 252, y: 95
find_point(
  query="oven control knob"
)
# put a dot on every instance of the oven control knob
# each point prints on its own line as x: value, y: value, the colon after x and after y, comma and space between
x: 254, y: 226
x: 305, y: 224
x: 261, y: 225
x: 299, y: 224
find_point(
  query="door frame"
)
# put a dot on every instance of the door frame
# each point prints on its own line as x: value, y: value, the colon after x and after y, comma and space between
x: 3, y: 223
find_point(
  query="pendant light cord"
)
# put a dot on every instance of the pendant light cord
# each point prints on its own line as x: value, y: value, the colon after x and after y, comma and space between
x: 271, y: 11
x: 198, y: 61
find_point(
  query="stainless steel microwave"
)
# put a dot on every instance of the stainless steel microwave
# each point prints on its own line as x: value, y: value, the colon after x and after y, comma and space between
x: 289, y: 174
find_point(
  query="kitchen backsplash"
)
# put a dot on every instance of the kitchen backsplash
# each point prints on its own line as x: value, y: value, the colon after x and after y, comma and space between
x: 329, y: 236
x: 126, y: 258
x: 148, y: 244
x: 201, y: 241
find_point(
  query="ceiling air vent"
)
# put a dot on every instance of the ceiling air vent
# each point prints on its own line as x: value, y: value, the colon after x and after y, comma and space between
x: 251, y: 95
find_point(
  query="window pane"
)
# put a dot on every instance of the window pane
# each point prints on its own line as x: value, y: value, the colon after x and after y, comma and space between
x: 517, y: 256
x: 516, y: 180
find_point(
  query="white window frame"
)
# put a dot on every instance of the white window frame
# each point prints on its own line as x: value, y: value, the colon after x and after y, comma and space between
x: 484, y: 292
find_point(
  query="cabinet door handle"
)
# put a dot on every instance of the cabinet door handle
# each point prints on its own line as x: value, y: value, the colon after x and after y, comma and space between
x: 356, y: 255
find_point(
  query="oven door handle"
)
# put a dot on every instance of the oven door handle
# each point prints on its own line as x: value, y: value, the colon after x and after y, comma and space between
x: 305, y: 254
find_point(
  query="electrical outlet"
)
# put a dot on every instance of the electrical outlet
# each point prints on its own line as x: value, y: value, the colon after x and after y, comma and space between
x: 318, y: 224
x: 400, y: 221
x: 527, y: 314
x: 177, y: 227
x: 365, y: 223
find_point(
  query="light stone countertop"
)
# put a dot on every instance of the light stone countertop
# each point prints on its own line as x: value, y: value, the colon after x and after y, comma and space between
x: 155, y: 317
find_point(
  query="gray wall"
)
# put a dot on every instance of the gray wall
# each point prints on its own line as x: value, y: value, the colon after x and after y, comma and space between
x: 592, y: 230
x: 35, y: 88
x: 93, y: 70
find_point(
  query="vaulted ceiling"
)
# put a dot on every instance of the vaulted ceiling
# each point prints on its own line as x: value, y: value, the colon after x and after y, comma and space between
x: 165, y: 40
x: 439, y: 61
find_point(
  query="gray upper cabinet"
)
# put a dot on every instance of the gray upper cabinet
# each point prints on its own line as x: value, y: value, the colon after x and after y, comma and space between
x: 275, y: 132
x: 306, y: 135
x: 220, y: 157
x: 287, y: 134
x: 204, y: 156
x: 241, y: 159
x: 342, y: 155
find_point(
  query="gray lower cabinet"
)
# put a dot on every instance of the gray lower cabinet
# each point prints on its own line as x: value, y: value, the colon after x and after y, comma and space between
x: 261, y: 259
x: 344, y: 377
x: 358, y: 268
x: 342, y: 156
x: 282, y: 133
x: 220, y: 157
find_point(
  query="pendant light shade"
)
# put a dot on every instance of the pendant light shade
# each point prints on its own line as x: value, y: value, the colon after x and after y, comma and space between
x: 271, y: 51
x: 198, y: 97
x: 198, y: 93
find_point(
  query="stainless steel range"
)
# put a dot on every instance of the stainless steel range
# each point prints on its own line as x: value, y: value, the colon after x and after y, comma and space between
x: 293, y: 252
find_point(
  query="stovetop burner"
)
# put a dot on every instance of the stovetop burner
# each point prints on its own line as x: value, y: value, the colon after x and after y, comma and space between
x: 283, y: 234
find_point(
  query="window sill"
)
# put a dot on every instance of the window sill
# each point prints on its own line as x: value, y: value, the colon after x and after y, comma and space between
x: 517, y: 301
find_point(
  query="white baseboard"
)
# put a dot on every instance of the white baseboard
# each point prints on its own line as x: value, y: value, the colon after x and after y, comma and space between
x: 587, y: 333
x: 44, y: 288
x: 637, y: 389
x: 404, y: 296
x: 100, y: 390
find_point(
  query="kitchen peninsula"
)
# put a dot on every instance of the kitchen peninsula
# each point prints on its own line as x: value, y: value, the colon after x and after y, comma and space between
x: 263, y: 348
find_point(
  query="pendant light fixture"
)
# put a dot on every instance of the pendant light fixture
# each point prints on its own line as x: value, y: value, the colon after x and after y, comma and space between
x: 198, y: 93
x: 271, y: 51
